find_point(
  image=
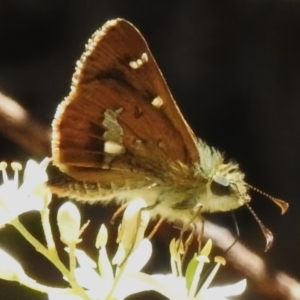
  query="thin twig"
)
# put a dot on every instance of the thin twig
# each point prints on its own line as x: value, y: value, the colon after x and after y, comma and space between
x: 18, y: 125
x: 270, y: 283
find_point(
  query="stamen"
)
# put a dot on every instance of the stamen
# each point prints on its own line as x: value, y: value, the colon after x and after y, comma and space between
x: 219, y: 261
x: 202, y: 259
x: 267, y: 233
x: 282, y: 204
x: 3, y: 166
x: 16, y: 168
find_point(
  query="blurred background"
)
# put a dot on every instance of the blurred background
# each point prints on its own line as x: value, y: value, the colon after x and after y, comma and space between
x: 233, y: 68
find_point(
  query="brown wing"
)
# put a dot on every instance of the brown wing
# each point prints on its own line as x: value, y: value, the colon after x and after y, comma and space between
x: 118, y: 90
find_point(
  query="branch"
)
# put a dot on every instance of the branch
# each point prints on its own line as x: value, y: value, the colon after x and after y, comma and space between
x: 270, y: 283
x: 19, y: 126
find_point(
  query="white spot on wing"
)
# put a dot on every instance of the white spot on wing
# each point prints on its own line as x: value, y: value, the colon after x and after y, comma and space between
x: 144, y: 57
x: 135, y: 64
x: 157, y: 102
x: 113, y: 148
x: 138, y: 141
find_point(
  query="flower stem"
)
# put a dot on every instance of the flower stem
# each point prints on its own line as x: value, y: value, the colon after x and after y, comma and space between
x: 52, y: 257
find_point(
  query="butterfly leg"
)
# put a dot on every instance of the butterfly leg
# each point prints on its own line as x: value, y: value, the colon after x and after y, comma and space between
x: 118, y: 212
x: 195, y: 215
x: 154, y: 230
x: 191, y: 225
x: 187, y: 243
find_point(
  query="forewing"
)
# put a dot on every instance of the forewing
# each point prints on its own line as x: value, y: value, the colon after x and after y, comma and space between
x: 120, y: 114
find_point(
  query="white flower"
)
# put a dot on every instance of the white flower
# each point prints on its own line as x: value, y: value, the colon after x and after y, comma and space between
x: 31, y: 195
x: 177, y: 287
x: 100, y: 285
x: 102, y: 282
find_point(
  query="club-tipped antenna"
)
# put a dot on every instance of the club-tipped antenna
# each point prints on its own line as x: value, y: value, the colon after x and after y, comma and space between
x: 282, y: 204
x: 267, y: 233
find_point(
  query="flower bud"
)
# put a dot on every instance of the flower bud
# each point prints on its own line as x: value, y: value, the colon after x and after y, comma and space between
x: 68, y: 221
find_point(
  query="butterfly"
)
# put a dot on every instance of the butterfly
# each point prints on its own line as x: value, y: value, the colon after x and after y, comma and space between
x: 120, y: 135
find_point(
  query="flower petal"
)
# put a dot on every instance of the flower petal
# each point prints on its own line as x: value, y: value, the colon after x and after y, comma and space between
x: 134, y: 223
x: 63, y: 296
x: 33, y: 169
x: 4, y: 217
x: 174, y: 284
x: 139, y: 257
x: 222, y: 292
x: 132, y: 283
x: 90, y: 279
x: 34, y: 175
x: 10, y: 269
x: 84, y: 260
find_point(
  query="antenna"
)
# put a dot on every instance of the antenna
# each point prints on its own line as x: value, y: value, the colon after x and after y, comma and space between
x: 267, y: 233
x: 282, y: 204
x: 237, y: 232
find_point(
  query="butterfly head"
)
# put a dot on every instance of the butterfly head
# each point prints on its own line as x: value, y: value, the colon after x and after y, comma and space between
x: 225, y: 189
x: 228, y: 181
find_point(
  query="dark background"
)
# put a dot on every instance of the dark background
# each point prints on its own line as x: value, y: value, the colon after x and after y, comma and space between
x: 232, y: 66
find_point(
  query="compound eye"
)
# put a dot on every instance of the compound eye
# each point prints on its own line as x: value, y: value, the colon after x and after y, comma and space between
x: 222, y: 180
x: 220, y: 189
